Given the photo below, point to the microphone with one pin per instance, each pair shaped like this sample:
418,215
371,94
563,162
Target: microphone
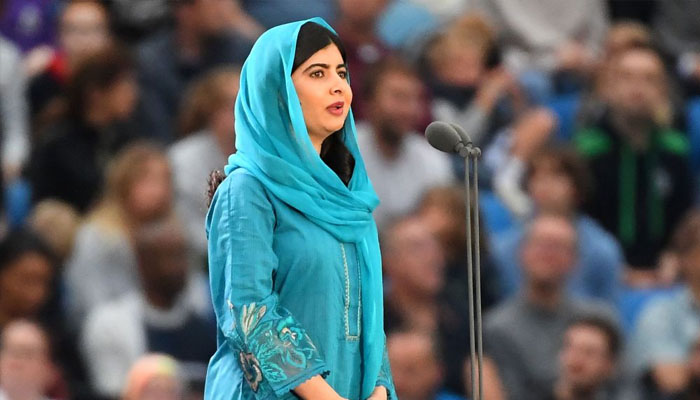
444,137
451,138
462,134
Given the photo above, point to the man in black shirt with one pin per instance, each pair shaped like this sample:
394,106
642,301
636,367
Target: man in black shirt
643,183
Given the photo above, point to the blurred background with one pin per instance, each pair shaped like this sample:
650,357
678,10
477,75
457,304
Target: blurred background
113,113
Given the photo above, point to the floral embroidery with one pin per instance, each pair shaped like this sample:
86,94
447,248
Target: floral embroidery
279,347
251,370
251,317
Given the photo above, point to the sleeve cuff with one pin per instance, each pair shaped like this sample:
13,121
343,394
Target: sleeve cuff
301,378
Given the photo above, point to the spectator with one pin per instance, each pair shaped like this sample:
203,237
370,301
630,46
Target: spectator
71,155
83,30
26,270
620,37
154,376
588,360
357,25
472,89
206,120
169,314
524,334
416,366
201,39
642,180
468,85
401,164
26,370
551,43
102,265
669,327
676,25
14,129
556,181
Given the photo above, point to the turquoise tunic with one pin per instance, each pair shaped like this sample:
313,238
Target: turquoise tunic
287,298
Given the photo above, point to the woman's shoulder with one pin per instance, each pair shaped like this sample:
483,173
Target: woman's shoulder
240,194
241,182
241,189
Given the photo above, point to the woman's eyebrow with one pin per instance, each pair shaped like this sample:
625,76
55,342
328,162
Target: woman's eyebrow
325,66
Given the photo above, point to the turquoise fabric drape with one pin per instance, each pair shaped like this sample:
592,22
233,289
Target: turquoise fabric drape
273,145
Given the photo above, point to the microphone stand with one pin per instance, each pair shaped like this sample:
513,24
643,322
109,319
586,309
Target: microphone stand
471,155
451,138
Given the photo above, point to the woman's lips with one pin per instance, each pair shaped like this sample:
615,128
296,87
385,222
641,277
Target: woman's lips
336,108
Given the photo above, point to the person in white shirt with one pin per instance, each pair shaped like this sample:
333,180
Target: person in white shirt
400,162
169,312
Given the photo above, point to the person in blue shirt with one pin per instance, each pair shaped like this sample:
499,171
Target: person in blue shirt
294,261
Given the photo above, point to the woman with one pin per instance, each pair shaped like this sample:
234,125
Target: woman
294,259
102,265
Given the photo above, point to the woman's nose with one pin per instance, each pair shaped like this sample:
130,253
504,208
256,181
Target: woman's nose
337,86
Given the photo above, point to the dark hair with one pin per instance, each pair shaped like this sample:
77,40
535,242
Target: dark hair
21,242
569,163
312,38
606,326
97,72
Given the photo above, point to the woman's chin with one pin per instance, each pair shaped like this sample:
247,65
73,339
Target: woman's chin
332,128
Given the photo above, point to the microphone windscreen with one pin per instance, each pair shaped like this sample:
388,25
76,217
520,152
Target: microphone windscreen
442,136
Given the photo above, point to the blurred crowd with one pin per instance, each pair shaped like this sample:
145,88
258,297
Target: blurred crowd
113,113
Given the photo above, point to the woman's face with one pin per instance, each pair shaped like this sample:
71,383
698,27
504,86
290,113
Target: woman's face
324,93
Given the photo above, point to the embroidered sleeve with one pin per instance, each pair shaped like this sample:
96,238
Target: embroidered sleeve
385,378
275,348
273,351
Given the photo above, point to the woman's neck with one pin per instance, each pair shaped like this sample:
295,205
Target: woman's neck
317,142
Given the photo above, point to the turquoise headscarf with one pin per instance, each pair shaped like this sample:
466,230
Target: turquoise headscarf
273,144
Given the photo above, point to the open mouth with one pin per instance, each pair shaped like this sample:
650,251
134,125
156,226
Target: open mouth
336,108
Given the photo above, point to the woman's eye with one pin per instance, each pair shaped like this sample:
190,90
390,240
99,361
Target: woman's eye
317,74
343,74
